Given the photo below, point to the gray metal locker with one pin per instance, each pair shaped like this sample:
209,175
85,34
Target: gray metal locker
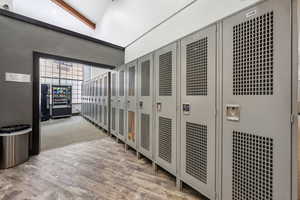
198,104
98,100
101,102
83,99
106,101
131,90
145,105
94,101
165,62
122,101
89,100
114,103
257,103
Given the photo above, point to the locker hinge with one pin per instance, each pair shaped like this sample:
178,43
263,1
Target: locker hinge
293,118
216,196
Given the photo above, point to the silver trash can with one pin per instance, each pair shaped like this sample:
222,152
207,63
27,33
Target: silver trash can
14,145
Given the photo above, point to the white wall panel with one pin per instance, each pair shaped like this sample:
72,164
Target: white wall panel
125,20
191,19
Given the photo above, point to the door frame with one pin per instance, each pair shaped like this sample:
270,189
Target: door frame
35,140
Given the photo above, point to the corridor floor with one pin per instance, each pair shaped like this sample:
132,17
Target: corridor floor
97,170
62,132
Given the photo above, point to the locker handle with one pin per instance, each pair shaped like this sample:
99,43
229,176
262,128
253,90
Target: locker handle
141,104
158,106
233,112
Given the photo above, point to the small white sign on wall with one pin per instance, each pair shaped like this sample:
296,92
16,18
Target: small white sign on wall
15,77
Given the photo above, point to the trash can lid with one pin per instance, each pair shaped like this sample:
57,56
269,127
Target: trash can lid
14,128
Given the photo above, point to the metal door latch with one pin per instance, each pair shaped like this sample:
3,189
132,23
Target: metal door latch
186,108
158,106
233,112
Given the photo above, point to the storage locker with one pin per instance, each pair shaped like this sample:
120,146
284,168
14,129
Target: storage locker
106,101
98,102
145,105
166,107
257,103
82,98
122,101
114,103
93,100
131,90
198,103
89,100
101,117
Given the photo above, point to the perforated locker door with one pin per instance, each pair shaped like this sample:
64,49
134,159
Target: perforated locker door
166,112
89,99
145,105
82,98
198,97
100,101
131,94
122,103
106,101
94,101
257,103
114,103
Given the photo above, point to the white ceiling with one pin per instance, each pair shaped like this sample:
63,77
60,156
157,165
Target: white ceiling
92,9
49,12
119,21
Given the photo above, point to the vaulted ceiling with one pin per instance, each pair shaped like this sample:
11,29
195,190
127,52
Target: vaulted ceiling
92,9
117,21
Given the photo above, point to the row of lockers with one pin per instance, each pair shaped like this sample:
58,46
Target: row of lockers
96,95
213,108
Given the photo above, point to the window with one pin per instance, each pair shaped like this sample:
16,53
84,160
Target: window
54,72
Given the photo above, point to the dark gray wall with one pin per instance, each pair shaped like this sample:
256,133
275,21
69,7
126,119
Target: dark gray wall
18,40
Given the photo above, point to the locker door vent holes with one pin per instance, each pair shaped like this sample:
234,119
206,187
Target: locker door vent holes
121,122
113,116
196,68
165,139
105,86
145,78
252,167
196,151
145,131
253,56
131,83
165,74
100,88
105,115
100,117
121,83
114,84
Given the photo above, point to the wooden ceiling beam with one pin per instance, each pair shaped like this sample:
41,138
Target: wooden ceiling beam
75,13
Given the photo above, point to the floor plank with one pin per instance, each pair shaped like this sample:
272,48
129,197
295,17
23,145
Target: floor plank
98,169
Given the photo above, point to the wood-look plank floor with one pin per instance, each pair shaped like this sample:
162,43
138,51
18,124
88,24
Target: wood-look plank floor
97,169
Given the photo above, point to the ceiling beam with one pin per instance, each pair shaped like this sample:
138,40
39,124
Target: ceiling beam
75,13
